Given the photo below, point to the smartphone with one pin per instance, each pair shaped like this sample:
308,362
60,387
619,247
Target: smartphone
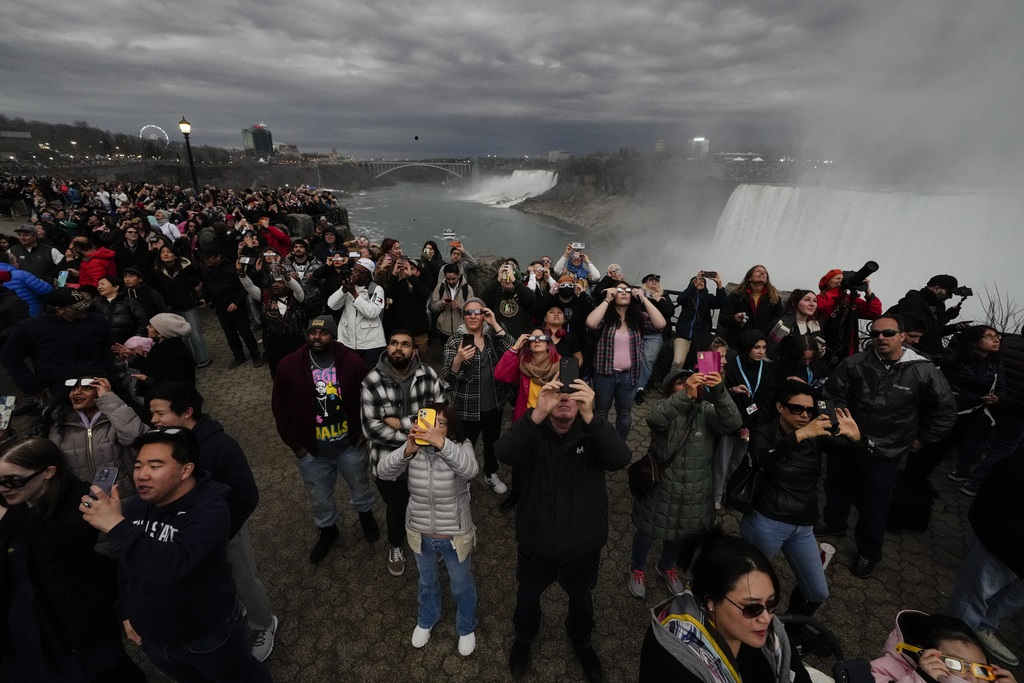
354,254
62,278
827,407
853,671
425,418
579,245
6,410
709,361
468,340
245,260
568,372
105,479
710,274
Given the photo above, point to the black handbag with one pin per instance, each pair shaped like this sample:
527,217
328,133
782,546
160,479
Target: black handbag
644,474
741,490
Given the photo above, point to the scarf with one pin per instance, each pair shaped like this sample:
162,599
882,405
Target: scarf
539,372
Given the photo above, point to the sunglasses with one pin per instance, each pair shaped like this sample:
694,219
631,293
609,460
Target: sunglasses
473,312
798,409
538,337
622,290
656,278
982,671
753,611
85,382
18,482
874,334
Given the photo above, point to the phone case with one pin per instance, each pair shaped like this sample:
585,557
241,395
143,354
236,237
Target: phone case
6,409
425,418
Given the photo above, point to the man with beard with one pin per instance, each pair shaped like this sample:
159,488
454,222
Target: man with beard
392,394
929,304
315,402
361,302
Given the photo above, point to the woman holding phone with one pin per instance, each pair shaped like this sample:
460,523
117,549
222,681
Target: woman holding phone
58,593
531,363
439,523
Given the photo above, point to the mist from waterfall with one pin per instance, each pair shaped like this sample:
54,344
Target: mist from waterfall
504,191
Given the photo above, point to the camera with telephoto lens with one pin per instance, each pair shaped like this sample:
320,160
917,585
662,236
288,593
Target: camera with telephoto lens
963,291
854,279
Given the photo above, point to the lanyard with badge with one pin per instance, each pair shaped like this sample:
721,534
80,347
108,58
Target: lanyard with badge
752,408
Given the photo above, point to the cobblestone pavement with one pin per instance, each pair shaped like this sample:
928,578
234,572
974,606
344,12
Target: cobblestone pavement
348,619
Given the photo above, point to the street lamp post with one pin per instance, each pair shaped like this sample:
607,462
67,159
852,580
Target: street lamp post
186,129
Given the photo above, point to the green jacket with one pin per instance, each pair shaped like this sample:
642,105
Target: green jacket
682,502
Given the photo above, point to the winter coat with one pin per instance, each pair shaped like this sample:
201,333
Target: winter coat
972,377
900,667
126,316
178,285
439,483
169,360
1012,352
223,458
682,503
997,511
360,326
152,301
911,400
408,299
695,311
464,385
222,286
96,265
923,304
507,370
58,349
12,311
759,317
449,319
834,310
28,287
511,308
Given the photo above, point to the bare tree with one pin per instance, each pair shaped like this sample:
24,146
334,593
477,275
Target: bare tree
1002,311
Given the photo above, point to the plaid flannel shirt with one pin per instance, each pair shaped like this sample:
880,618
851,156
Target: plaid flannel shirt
604,353
464,385
381,396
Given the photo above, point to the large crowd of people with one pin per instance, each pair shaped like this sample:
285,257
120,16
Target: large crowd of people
127,505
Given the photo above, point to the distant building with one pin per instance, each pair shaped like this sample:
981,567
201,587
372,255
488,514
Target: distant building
558,155
13,141
286,151
259,143
699,147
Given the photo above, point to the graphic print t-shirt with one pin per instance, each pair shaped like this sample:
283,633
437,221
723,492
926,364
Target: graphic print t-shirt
331,418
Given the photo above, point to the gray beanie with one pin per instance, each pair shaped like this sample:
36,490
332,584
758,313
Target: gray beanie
474,299
323,322
170,325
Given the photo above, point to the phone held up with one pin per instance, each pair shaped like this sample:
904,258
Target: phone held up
425,418
708,362
826,407
568,372
105,479
468,340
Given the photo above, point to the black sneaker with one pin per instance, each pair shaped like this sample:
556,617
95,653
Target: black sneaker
371,532
863,567
509,503
959,476
257,361
590,663
235,362
639,398
328,537
518,658
822,528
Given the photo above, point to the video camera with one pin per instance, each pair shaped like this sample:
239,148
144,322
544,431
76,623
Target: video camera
854,279
963,291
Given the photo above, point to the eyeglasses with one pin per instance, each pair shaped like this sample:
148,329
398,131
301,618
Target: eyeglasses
85,382
874,334
982,671
473,312
656,278
798,409
622,290
18,482
992,336
538,337
754,610
438,422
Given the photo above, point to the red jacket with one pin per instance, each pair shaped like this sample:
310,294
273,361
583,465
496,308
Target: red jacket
277,239
507,370
95,266
292,399
864,309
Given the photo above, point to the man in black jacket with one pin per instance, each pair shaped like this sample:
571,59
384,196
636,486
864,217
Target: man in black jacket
177,598
929,304
220,280
177,404
561,451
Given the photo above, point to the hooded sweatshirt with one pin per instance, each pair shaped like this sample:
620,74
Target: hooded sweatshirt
901,667
174,579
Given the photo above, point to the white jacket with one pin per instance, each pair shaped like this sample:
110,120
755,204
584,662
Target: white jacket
360,326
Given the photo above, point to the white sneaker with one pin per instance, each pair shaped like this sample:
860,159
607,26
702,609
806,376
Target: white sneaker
496,484
467,644
420,636
263,641
996,648
396,561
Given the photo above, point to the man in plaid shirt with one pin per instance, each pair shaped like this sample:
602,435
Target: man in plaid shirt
392,393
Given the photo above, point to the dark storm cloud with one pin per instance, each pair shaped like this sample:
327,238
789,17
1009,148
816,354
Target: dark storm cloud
524,77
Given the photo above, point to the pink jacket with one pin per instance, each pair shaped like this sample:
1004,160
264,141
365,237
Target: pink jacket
895,667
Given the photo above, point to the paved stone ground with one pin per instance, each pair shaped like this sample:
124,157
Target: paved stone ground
347,619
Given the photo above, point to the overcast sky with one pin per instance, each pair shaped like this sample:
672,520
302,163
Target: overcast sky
523,77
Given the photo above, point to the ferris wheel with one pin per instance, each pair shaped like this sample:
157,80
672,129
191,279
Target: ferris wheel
153,132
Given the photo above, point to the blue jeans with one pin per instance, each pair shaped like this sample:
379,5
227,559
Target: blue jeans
798,545
867,483
225,654
195,338
618,388
460,577
320,473
642,547
986,590
999,442
652,347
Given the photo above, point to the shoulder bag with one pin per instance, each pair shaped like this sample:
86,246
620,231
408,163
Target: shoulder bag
645,473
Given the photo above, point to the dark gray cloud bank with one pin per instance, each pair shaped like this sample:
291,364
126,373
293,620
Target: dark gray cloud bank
860,77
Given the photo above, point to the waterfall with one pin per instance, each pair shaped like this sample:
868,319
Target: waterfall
504,191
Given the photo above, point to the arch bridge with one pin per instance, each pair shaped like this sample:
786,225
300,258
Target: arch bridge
376,169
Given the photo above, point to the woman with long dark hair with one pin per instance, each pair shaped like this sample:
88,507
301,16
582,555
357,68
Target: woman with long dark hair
619,320
439,521
754,305
177,279
723,628
432,262
798,320
696,305
58,593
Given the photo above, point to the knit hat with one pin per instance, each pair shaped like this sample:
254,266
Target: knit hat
63,297
323,322
828,276
139,343
368,264
946,282
24,227
170,325
132,271
474,299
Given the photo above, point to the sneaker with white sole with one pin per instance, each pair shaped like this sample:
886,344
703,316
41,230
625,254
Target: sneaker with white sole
959,476
263,641
996,648
496,484
420,636
636,582
396,561
672,580
467,644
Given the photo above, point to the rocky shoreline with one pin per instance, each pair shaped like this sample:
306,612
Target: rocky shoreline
582,206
